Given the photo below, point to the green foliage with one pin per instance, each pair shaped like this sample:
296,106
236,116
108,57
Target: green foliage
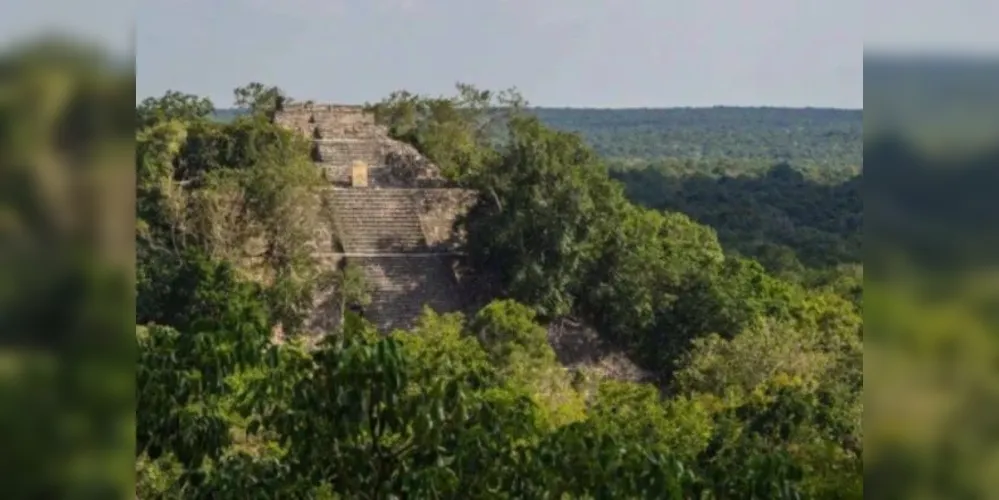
205,325
633,412
260,100
244,192
544,210
440,346
761,376
67,353
645,264
778,216
722,366
827,138
195,289
367,417
507,330
353,288
785,416
457,132
171,106
518,347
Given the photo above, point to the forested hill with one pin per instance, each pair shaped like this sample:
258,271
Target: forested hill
807,136
936,102
801,136
754,379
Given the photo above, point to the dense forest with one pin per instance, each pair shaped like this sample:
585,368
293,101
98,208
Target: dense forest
945,103
782,218
819,137
930,318
757,377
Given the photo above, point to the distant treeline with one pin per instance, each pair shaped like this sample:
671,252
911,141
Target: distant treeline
822,137
801,136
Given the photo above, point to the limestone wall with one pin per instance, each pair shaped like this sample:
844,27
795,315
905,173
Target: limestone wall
439,210
436,208
337,175
343,134
577,345
404,166
407,206
331,120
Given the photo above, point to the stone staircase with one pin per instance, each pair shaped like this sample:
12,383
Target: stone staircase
344,151
402,286
384,229
380,232
378,221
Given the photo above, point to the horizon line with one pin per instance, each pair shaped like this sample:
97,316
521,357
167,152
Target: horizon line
623,108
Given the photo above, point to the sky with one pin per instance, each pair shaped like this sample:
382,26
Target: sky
595,53
947,27
579,53
106,23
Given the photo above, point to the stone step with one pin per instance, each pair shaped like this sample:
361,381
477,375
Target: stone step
336,174
332,121
345,152
378,220
402,286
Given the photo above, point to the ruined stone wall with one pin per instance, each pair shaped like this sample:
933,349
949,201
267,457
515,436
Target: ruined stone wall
342,135
402,285
579,346
406,200
332,120
417,221
439,210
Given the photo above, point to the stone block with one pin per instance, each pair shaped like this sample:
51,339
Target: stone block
359,174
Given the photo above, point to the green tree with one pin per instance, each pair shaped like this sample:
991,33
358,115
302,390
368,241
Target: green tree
352,287
459,133
638,413
173,105
206,325
643,268
508,330
518,348
245,192
544,212
260,100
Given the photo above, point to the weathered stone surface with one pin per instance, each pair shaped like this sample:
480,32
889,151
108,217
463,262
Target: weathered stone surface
337,175
345,134
324,317
372,221
403,286
407,208
331,119
439,210
577,345
344,151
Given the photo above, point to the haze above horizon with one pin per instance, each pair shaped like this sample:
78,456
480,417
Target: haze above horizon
602,108
559,53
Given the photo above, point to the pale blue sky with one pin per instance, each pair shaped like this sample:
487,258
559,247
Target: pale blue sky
621,53
558,52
